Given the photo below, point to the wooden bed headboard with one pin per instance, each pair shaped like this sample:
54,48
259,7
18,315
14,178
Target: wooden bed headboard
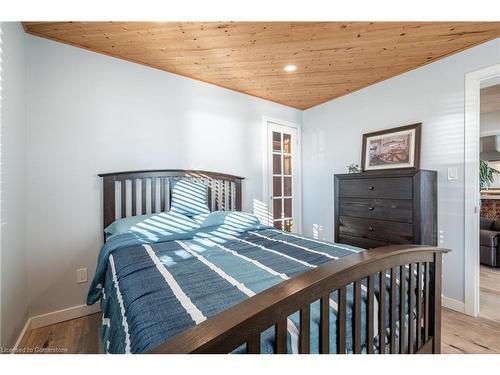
142,192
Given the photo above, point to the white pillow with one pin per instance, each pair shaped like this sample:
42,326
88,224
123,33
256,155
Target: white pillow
163,223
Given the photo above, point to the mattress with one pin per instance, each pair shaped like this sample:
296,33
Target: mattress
152,290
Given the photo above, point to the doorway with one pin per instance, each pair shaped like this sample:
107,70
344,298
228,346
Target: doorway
489,232
282,182
474,82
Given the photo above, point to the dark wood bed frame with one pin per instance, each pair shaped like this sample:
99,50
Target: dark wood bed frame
242,324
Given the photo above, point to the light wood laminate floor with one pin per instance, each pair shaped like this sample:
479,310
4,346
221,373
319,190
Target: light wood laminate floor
76,336
489,293
461,334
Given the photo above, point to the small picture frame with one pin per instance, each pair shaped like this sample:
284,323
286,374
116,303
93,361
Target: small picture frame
396,148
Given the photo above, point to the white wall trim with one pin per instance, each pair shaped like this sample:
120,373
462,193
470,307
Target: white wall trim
53,318
453,304
265,163
24,333
63,315
472,197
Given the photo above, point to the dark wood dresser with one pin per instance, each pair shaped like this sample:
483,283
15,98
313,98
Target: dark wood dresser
375,209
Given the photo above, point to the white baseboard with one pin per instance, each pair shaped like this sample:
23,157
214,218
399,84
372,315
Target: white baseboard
55,317
26,329
453,304
62,315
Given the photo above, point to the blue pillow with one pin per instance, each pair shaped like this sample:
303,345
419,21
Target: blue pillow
189,198
235,219
163,223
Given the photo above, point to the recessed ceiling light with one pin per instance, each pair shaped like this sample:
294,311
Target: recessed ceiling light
290,68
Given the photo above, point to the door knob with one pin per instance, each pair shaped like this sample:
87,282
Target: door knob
370,229
370,208
371,187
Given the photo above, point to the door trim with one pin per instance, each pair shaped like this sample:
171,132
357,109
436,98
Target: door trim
472,196
265,168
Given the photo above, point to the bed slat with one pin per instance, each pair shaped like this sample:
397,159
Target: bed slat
109,201
253,345
305,327
215,193
220,200
419,305
402,308
237,184
426,301
435,303
153,195
411,311
133,197
370,316
281,337
324,338
123,198
233,207
356,332
226,195
167,193
341,320
393,310
143,195
381,311
162,194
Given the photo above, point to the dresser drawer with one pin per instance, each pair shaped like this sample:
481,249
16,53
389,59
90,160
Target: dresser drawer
388,187
364,243
392,232
375,208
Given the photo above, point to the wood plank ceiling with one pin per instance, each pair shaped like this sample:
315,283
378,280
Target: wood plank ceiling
332,58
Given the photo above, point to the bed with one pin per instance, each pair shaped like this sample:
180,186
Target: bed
181,280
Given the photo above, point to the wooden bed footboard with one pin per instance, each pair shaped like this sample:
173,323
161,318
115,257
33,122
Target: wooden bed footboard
243,324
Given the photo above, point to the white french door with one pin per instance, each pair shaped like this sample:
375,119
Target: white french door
283,176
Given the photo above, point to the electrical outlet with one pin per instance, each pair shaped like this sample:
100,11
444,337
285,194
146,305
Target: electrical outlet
81,276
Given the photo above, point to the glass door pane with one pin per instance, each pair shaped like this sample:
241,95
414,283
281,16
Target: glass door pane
282,180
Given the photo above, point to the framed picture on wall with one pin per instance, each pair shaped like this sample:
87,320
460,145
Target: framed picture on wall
394,148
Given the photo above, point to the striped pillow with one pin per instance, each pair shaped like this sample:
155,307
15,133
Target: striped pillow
189,198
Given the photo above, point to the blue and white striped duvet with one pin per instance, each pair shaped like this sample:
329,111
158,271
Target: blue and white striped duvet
153,289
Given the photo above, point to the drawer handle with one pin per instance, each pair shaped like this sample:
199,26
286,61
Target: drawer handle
371,187
370,229
370,208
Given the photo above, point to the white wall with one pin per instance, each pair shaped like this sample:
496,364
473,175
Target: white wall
433,95
14,286
89,113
